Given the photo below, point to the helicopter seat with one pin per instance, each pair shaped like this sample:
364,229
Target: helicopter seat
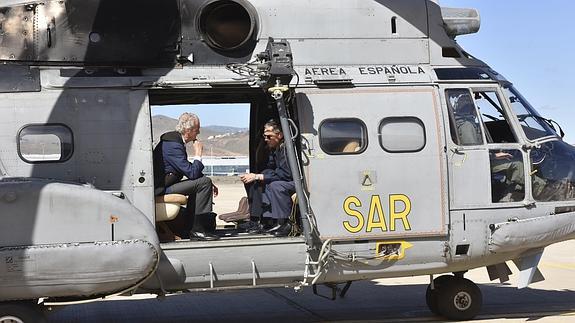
351,147
242,213
168,206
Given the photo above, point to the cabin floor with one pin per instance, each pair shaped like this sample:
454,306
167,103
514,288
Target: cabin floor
236,259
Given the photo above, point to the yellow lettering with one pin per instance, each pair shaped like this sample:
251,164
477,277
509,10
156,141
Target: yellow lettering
355,213
393,215
375,206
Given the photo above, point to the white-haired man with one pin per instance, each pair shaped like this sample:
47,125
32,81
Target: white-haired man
171,164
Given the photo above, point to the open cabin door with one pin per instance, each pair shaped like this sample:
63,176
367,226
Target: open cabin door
375,162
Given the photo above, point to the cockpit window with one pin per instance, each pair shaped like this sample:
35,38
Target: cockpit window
507,175
553,171
533,124
495,120
463,120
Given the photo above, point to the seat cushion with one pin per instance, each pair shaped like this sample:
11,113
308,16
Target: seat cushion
167,211
242,213
172,198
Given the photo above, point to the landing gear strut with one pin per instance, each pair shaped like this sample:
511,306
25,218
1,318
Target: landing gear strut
21,312
454,297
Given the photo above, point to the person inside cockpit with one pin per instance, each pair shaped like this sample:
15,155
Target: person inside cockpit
466,121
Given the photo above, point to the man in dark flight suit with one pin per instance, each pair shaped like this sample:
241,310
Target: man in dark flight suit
171,164
467,122
278,186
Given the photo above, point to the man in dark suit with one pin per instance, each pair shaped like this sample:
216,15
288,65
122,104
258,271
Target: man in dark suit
278,186
171,164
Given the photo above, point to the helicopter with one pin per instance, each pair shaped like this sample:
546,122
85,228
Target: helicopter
387,122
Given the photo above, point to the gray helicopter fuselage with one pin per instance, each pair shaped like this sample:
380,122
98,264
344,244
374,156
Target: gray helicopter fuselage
389,186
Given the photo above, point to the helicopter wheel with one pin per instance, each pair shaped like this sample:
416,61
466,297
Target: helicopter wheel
21,312
458,299
431,294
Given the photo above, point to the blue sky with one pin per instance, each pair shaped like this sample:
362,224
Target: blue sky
532,43
231,115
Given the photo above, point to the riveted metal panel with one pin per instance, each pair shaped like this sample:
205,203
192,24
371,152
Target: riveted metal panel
17,33
16,78
376,185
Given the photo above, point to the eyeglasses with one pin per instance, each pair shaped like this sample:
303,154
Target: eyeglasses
268,137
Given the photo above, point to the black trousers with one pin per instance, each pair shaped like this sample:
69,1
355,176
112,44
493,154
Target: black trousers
255,195
199,208
272,200
278,196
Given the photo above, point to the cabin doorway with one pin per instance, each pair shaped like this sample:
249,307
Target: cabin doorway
231,129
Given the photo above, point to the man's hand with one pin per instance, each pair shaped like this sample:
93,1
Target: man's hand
248,178
215,190
198,148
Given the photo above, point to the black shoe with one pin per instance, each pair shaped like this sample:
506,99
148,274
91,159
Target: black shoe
203,236
250,227
283,231
256,228
272,229
245,226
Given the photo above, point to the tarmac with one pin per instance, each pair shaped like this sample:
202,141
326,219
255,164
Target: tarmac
382,300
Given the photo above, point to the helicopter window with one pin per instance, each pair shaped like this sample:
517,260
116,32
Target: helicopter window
343,136
507,176
463,120
45,143
533,124
553,172
468,73
402,134
495,120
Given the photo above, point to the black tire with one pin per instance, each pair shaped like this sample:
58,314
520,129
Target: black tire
25,312
459,299
431,294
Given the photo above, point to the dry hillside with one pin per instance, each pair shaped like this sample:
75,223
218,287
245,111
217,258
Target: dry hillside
218,140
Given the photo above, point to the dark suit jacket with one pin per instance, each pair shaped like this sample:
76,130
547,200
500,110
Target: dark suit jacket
277,167
171,161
